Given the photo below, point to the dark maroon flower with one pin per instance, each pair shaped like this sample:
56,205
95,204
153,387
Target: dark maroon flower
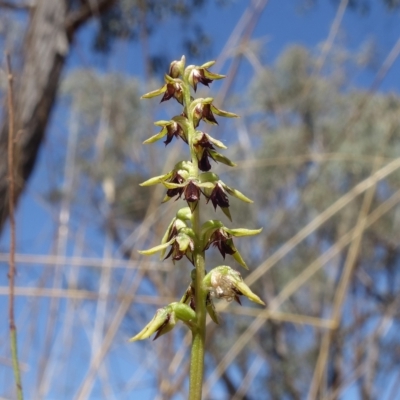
176,191
223,241
174,130
203,75
198,75
204,163
203,147
204,141
175,252
192,192
182,246
219,197
203,112
173,90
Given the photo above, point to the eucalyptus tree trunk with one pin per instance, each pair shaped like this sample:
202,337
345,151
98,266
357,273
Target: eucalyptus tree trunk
50,31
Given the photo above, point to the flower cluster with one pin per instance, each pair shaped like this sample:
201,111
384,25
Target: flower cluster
190,180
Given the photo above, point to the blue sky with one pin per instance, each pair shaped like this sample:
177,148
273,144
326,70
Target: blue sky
282,24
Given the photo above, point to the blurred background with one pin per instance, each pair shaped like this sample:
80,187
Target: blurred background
316,83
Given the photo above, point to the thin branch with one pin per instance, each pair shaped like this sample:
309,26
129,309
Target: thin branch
331,37
256,325
11,203
78,17
340,295
92,262
322,218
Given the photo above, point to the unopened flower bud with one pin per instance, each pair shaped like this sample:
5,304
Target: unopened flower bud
176,68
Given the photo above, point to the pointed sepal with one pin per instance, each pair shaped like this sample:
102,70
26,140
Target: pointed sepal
156,249
211,309
163,321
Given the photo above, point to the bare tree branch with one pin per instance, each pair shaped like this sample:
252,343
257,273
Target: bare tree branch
77,18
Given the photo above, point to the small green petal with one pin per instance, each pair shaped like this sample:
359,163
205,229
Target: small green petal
223,113
220,158
208,228
162,123
165,237
236,255
156,179
245,290
239,232
207,65
154,93
211,311
182,121
156,249
226,211
165,199
208,177
169,79
216,142
211,75
156,137
184,242
171,185
167,327
237,194
153,326
206,185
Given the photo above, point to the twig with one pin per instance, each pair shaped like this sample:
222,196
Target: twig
256,325
75,19
11,202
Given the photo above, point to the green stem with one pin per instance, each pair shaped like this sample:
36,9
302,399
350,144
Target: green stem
199,334
198,338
